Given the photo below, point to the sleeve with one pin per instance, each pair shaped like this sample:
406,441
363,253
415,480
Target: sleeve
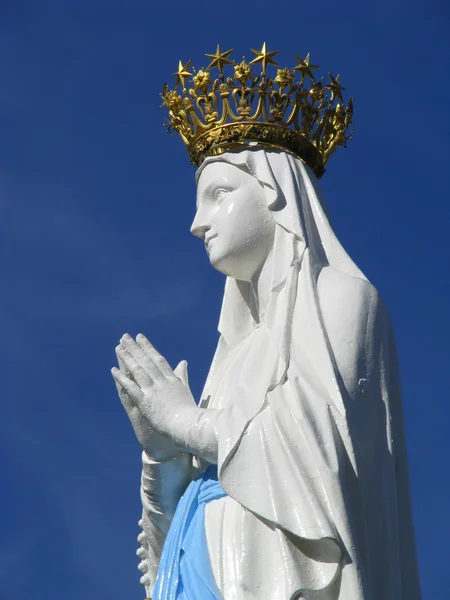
162,485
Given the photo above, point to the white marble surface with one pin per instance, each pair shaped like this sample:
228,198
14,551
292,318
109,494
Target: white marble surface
304,419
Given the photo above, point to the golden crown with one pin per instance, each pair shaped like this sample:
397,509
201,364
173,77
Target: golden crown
301,115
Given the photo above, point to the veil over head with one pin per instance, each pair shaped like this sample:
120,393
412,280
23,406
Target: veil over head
300,445
295,200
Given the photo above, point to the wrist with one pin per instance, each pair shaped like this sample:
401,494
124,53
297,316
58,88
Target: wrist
194,430
179,424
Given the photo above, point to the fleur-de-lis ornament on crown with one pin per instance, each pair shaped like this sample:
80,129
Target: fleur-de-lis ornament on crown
291,111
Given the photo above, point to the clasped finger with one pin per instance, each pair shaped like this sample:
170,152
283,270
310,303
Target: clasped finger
138,373
141,357
154,356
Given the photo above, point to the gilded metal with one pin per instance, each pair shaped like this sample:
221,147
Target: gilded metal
335,87
282,112
219,59
264,57
305,68
182,74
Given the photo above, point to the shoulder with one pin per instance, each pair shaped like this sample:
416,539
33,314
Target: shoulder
344,297
349,308
345,286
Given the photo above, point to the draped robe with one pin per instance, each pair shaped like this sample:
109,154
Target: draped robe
311,447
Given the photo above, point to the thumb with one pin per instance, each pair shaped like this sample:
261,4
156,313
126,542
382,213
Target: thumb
181,372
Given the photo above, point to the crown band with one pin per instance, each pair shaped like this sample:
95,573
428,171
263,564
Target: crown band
218,140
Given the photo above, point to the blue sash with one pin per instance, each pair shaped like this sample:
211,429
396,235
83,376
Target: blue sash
184,571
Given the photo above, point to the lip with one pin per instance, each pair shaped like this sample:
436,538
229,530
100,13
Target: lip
208,239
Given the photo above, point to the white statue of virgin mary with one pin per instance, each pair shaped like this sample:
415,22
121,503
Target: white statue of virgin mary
289,479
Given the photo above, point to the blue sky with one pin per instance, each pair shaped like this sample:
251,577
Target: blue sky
96,203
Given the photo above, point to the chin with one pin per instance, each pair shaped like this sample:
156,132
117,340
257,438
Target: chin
228,266
220,265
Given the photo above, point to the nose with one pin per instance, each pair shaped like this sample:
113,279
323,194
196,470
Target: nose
199,225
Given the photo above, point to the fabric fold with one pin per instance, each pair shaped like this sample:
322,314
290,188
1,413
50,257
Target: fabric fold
308,455
184,571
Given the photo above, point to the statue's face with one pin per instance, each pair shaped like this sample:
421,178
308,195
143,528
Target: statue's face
233,219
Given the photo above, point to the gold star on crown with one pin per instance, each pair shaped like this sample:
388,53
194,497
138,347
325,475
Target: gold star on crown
302,116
